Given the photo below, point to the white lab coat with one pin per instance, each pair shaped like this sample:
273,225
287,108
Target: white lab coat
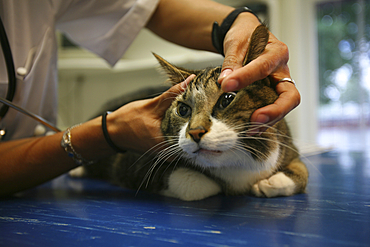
105,27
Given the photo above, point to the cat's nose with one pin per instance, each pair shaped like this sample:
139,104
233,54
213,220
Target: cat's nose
197,133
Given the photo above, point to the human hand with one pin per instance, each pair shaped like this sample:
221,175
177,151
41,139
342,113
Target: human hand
272,63
137,125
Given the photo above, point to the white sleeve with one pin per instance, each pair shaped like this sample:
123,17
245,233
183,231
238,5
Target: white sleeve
107,27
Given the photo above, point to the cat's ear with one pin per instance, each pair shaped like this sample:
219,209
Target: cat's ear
175,74
257,43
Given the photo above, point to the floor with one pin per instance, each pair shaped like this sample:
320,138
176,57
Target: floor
82,212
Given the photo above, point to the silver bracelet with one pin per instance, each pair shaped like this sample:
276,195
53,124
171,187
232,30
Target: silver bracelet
66,144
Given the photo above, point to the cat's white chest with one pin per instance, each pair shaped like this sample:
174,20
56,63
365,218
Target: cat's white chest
241,179
190,185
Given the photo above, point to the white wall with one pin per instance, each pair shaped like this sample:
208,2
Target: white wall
87,82
297,28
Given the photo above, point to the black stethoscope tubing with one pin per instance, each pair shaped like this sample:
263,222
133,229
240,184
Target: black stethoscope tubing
12,81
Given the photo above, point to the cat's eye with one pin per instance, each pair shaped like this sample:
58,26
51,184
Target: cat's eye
183,110
226,99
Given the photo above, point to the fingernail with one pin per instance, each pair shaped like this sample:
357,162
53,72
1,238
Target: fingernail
225,73
261,130
185,83
230,85
262,119
260,122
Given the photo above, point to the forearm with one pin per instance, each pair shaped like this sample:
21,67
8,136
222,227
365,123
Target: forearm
29,162
135,126
188,22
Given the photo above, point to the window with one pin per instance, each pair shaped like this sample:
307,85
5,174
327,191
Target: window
344,74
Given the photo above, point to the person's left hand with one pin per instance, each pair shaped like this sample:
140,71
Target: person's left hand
273,63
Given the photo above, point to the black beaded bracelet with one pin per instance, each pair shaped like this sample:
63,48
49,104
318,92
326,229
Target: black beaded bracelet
219,32
106,134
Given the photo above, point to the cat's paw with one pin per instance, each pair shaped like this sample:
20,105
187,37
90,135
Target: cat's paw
190,185
78,172
277,185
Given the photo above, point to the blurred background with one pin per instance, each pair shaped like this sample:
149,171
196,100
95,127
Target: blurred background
329,44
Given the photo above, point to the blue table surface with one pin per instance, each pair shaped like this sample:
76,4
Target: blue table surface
335,211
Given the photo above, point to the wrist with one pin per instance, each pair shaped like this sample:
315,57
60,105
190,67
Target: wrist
107,136
248,19
219,31
88,141
67,145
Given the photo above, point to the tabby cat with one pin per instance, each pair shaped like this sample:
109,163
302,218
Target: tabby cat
210,145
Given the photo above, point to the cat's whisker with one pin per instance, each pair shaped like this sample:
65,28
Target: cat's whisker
278,133
252,127
162,156
261,138
243,147
167,137
152,150
177,158
271,140
165,154
240,149
156,147
282,144
174,95
158,164
248,149
183,78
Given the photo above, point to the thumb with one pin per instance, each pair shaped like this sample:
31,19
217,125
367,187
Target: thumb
165,99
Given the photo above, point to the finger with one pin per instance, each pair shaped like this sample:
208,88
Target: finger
275,57
165,99
234,58
236,43
289,98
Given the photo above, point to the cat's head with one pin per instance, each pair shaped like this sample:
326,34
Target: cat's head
212,127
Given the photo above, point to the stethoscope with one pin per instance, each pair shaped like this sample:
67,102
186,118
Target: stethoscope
12,84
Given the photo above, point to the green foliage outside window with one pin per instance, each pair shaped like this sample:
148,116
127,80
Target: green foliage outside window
344,51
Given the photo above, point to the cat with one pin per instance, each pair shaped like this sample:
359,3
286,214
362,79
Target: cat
210,148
